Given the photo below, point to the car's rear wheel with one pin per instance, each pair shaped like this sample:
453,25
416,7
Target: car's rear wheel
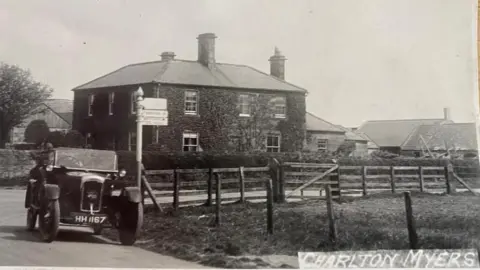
31,219
49,220
131,221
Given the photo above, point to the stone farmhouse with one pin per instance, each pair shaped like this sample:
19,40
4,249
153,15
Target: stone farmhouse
324,136
212,106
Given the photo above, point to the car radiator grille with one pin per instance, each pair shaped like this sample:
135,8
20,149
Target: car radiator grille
91,194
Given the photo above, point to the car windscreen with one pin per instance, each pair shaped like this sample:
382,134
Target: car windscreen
86,159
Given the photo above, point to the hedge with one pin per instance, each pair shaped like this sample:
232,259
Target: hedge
160,161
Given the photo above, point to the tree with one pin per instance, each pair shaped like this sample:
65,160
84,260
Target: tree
219,115
253,130
36,131
446,140
20,97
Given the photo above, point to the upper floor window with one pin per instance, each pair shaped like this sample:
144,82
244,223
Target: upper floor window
245,104
322,144
190,142
280,107
191,102
273,143
111,100
91,98
133,103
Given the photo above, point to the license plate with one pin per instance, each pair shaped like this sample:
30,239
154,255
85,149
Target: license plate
90,219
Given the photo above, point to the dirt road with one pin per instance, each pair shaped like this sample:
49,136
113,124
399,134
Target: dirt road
74,247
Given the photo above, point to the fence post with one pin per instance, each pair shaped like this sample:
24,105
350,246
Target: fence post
176,190
331,217
218,199
269,206
449,177
420,176
209,187
412,233
335,177
392,178
364,180
275,177
281,183
242,185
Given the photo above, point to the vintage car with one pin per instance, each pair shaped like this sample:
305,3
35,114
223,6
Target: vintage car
83,187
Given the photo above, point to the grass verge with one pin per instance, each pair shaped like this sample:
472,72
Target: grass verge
372,222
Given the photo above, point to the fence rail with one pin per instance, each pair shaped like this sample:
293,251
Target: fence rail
198,186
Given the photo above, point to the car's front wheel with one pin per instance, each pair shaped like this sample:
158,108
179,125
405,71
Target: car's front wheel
49,220
130,223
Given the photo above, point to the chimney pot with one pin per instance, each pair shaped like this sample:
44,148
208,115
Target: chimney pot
446,114
168,56
206,49
277,64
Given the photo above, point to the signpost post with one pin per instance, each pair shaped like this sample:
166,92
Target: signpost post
150,112
139,98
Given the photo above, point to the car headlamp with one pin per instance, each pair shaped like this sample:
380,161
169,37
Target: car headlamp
49,168
122,173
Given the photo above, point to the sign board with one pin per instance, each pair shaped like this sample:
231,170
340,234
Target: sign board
154,117
154,104
154,112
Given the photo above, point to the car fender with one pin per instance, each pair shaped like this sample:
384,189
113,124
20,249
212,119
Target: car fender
133,194
52,192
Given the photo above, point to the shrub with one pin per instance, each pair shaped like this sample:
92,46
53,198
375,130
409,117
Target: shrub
168,160
74,138
36,131
24,146
57,138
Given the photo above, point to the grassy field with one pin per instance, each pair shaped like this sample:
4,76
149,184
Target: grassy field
373,222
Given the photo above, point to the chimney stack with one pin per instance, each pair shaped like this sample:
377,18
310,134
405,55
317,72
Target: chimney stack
446,114
168,56
206,49
277,64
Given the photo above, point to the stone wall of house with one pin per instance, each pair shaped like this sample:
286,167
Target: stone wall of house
361,149
216,123
14,164
334,140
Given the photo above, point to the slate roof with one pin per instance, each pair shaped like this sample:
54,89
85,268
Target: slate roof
393,133
462,136
351,135
185,72
315,123
62,107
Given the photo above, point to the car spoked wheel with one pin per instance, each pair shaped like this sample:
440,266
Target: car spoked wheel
31,219
130,223
49,220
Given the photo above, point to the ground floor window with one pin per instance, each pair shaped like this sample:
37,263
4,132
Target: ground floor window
190,142
273,143
322,144
132,141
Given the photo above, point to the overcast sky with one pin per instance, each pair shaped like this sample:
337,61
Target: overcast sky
359,59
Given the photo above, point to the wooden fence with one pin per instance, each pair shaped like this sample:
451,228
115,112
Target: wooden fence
292,181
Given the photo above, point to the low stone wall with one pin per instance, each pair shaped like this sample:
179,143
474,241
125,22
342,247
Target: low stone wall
15,166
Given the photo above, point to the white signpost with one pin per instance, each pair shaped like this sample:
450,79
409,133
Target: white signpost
150,112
